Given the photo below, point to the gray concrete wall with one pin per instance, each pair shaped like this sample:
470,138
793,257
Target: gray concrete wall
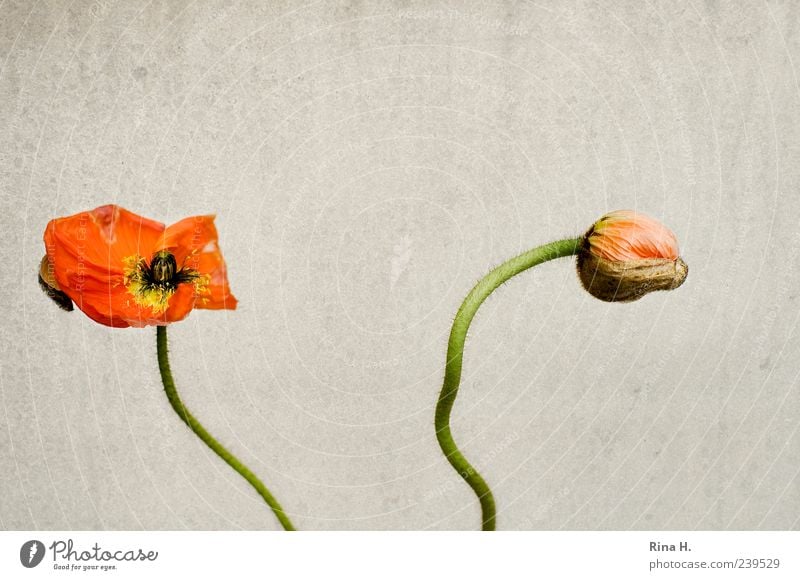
368,161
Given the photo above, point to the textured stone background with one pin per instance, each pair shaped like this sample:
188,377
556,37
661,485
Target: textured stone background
368,162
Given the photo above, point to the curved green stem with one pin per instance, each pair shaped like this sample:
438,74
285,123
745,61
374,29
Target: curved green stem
205,436
455,355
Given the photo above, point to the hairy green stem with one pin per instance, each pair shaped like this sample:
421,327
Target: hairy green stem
455,355
205,436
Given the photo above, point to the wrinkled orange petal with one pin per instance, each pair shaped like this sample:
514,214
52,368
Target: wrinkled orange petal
88,284
180,305
625,235
219,296
194,243
106,235
90,311
188,238
86,251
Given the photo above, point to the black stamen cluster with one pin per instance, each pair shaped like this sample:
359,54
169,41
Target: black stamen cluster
163,272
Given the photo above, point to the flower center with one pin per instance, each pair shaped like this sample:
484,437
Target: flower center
163,267
153,284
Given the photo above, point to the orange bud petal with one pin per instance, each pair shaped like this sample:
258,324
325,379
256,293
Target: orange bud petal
626,235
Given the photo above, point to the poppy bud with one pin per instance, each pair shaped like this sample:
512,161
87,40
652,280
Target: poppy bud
626,254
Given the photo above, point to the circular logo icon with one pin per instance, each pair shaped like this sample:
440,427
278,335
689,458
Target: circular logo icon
31,553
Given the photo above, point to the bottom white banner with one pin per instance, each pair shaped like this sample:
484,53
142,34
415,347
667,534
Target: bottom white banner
370,555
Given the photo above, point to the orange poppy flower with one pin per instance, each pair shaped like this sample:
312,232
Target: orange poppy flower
123,270
626,254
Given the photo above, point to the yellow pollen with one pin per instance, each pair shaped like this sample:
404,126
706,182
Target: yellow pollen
145,294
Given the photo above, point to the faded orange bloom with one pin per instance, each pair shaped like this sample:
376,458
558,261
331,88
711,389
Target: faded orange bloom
123,270
626,255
